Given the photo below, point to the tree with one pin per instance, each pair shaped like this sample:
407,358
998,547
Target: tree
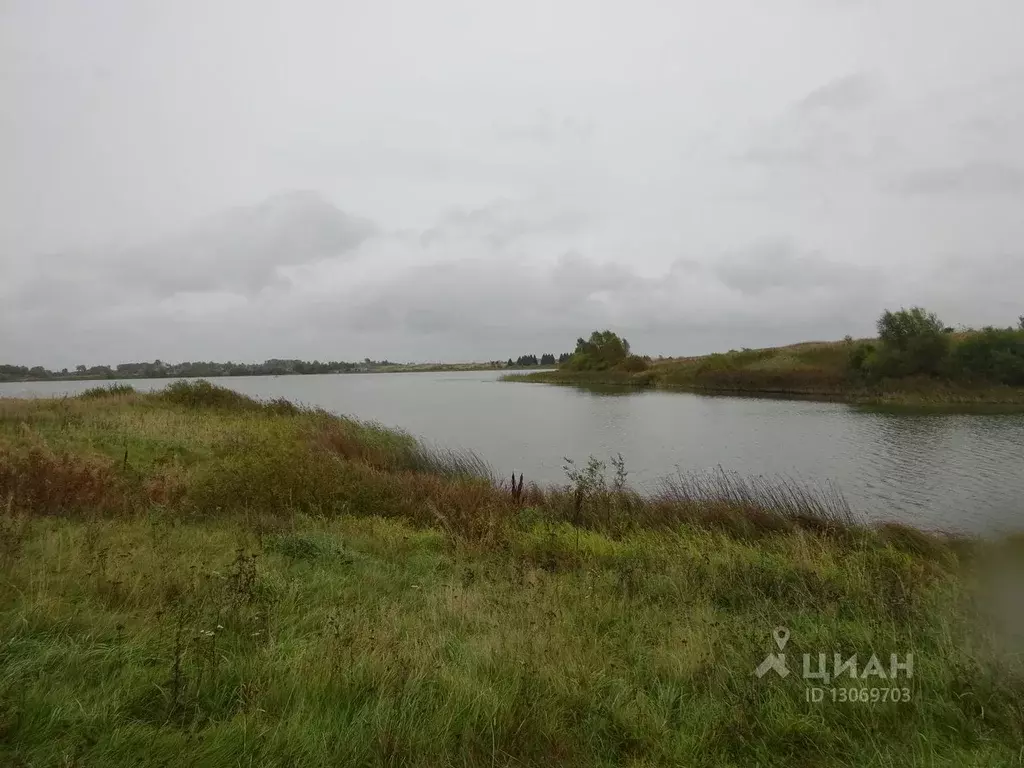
510,363
1020,323
913,342
547,359
603,350
564,358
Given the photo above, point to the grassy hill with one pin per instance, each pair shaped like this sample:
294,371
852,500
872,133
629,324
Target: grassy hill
813,368
191,577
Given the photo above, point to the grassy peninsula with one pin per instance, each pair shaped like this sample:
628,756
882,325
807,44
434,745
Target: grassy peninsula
192,577
914,361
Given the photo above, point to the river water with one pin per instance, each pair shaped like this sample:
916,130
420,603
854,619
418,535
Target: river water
933,470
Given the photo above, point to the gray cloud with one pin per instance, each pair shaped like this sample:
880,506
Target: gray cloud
545,128
816,131
804,146
241,250
850,92
520,195
989,281
501,223
968,179
770,292
780,264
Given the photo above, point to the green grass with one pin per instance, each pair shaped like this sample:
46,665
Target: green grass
187,578
810,369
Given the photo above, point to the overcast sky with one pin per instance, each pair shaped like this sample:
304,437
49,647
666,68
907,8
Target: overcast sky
473,180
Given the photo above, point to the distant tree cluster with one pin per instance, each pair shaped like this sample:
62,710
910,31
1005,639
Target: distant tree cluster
159,369
604,351
914,342
525,361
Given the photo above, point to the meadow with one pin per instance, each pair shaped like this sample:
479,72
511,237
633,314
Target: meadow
192,577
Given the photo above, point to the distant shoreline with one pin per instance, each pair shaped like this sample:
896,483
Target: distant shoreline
938,396
408,368
806,371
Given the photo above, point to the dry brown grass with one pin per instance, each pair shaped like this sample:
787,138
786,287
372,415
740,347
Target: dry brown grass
39,481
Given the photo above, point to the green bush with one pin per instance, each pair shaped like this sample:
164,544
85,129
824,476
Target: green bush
111,391
203,394
860,356
991,355
634,364
603,351
913,342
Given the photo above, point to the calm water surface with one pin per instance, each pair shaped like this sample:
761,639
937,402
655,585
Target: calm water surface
963,472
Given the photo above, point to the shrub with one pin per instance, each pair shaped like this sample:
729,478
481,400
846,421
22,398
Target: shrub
203,394
899,329
991,355
859,356
913,342
633,364
114,390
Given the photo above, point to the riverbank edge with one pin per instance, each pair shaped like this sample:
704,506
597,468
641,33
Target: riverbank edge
44,431
939,397
204,574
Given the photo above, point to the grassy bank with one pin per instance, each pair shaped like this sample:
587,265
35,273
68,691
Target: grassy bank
811,369
194,578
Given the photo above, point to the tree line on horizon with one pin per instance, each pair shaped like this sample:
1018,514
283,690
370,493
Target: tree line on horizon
524,361
910,342
159,369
